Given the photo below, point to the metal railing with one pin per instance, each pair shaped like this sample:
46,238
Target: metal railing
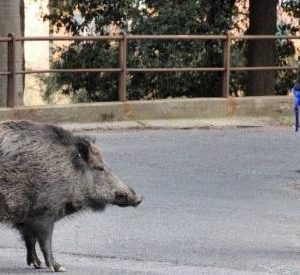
123,70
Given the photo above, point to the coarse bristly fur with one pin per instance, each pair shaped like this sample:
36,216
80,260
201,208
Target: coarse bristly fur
47,173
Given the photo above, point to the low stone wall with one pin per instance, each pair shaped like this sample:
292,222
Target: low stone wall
270,106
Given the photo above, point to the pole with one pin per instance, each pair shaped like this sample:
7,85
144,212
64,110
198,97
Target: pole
11,65
226,65
123,66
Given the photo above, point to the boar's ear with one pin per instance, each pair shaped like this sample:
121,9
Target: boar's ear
83,147
60,135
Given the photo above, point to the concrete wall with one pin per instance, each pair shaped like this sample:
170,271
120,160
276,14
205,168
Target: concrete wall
273,106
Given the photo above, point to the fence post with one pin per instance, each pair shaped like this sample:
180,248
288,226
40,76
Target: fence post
123,66
11,67
226,65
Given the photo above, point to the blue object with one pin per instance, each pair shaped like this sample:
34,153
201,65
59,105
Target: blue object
296,92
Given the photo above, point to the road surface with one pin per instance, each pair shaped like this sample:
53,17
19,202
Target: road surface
221,201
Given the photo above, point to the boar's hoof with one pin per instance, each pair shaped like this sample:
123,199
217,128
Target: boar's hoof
61,269
57,268
35,261
37,265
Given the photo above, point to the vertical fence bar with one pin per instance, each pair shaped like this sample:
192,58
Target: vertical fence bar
11,66
226,65
123,66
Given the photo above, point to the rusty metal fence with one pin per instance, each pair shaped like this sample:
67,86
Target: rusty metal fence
123,70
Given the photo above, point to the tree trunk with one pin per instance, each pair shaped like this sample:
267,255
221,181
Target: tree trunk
11,21
263,14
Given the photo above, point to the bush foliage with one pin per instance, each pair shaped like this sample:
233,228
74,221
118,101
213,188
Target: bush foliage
81,17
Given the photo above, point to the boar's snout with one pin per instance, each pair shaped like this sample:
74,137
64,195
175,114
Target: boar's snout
127,198
138,202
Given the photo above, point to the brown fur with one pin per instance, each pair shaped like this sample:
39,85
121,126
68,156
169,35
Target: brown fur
46,173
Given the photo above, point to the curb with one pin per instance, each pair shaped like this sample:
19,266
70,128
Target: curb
177,124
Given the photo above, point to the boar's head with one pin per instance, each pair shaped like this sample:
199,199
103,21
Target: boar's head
103,186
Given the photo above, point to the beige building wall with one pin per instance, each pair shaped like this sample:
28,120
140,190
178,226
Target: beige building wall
285,18
36,53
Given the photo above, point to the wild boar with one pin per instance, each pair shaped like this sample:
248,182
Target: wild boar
47,173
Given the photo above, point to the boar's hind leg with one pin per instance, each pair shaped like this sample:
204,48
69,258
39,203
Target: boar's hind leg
30,242
32,257
44,232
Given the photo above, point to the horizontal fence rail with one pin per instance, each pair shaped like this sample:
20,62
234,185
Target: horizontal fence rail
123,70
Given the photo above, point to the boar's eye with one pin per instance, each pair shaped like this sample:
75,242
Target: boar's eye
83,150
99,167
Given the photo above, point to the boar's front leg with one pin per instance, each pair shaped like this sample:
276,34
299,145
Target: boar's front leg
44,232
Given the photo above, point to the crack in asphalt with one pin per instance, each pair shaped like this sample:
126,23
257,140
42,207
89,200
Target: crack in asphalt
110,257
86,255
106,257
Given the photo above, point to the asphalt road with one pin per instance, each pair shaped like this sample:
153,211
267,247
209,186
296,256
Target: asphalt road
216,202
